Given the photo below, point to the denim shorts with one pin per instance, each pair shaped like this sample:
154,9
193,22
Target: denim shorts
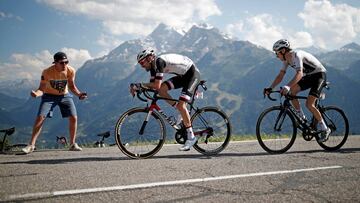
49,102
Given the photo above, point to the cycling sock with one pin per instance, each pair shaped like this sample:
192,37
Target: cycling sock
301,113
190,133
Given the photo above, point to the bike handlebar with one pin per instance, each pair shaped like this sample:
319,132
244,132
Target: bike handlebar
287,96
269,97
290,97
145,91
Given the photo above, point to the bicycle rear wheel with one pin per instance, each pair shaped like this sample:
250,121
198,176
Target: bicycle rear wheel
336,120
212,128
276,130
134,143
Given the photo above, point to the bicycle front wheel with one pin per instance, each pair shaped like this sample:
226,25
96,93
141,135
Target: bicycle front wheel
336,120
138,138
276,130
212,128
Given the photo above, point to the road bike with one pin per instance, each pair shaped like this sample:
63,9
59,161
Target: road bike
276,127
8,148
140,132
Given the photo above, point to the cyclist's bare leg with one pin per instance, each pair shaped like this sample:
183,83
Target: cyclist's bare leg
163,91
186,120
310,104
72,128
184,113
295,102
39,121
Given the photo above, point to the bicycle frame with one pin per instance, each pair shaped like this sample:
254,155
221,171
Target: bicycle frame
303,125
154,106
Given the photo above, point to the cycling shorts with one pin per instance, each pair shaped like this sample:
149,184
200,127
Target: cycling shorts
188,82
314,81
49,102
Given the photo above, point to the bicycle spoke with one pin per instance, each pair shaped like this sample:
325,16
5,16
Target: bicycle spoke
275,130
336,120
134,144
216,130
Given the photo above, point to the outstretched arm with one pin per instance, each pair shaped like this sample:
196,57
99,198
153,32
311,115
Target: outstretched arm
40,91
74,89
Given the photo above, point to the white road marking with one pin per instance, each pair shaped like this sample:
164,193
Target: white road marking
157,184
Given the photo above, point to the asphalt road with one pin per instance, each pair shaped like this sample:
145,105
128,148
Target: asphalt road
241,173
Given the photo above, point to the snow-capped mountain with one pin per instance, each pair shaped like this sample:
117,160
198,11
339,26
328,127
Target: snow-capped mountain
313,50
342,58
235,71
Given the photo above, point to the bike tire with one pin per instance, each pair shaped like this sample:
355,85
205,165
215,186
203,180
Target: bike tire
213,123
272,140
337,121
131,142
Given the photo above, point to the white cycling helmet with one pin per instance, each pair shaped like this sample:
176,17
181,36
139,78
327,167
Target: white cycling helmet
282,43
144,53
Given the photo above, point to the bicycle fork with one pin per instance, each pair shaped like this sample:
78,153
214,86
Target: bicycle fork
280,120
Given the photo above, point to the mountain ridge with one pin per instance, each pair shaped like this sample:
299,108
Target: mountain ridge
236,72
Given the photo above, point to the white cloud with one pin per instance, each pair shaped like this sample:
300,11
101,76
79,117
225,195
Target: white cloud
262,30
9,16
259,29
331,25
301,39
30,66
76,57
108,42
138,17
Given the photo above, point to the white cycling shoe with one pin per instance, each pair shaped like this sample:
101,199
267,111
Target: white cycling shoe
188,144
324,135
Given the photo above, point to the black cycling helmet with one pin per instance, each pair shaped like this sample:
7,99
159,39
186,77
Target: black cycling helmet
144,53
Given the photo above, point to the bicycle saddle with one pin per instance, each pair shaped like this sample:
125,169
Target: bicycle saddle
105,134
9,131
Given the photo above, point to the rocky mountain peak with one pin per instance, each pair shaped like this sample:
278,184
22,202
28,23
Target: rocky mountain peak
163,37
351,47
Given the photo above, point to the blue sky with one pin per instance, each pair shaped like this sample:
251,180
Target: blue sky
33,30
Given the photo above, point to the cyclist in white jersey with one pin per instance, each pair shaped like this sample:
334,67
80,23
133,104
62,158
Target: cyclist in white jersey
187,77
310,73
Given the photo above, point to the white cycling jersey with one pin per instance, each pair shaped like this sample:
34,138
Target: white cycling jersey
175,63
305,62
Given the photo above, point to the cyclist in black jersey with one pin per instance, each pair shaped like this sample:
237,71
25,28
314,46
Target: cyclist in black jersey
310,73
187,77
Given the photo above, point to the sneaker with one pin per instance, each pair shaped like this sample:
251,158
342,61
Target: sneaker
75,147
324,135
188,144
28,149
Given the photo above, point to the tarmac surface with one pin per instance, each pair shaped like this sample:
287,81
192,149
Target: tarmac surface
243,172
